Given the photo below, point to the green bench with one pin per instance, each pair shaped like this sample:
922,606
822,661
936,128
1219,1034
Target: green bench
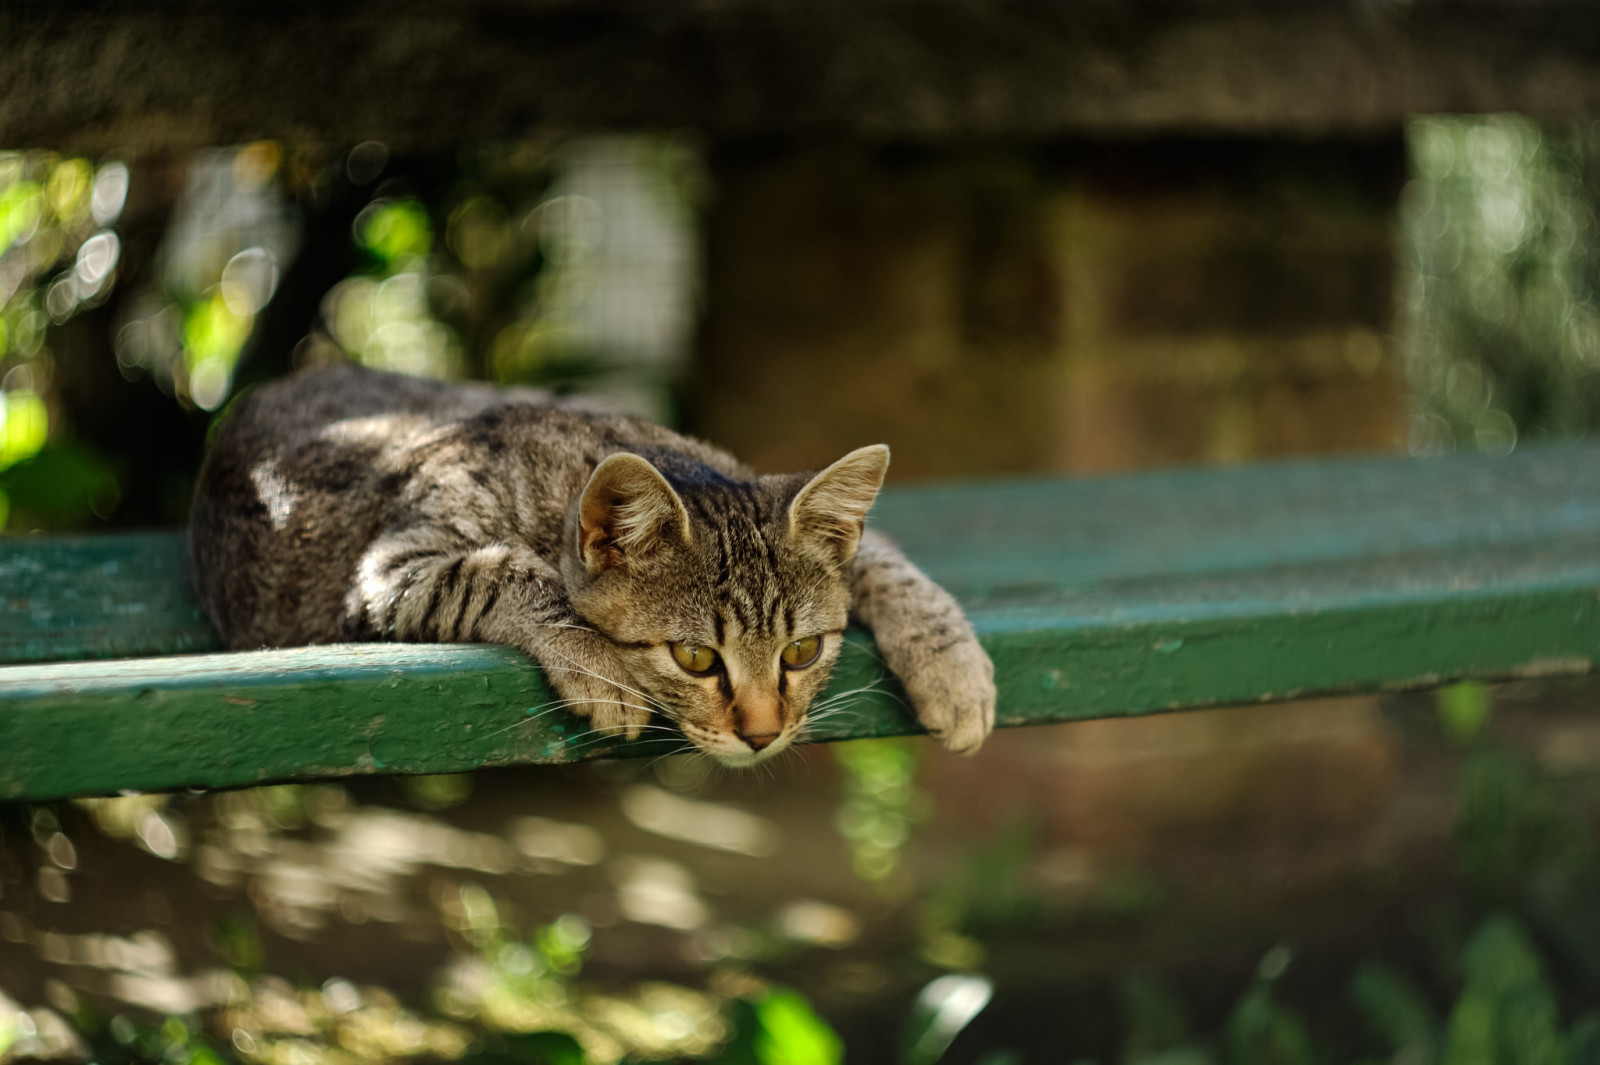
1096,597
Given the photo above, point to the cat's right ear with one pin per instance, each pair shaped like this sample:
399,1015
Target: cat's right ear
832,507
627,511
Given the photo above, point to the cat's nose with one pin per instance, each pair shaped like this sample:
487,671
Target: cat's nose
758,741
758,722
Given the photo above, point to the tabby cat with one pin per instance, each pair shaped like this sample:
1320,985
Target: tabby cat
645,571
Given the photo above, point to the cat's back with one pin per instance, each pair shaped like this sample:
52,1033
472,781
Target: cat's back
303,474
294,485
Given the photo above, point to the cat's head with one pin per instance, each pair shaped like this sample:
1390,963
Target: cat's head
728,600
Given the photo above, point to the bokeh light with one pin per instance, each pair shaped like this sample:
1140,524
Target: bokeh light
1501,299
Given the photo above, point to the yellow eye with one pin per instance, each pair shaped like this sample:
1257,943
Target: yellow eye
802,652
694,658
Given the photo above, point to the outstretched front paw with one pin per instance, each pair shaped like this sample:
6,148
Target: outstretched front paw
952,690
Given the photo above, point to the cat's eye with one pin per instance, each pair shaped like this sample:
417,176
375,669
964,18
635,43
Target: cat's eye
802,652
694,658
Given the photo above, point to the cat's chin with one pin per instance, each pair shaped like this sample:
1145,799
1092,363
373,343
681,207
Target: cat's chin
744,759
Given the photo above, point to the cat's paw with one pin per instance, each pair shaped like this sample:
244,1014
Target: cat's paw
953,694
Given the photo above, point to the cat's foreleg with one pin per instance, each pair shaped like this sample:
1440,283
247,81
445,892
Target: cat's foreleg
927,641
410,589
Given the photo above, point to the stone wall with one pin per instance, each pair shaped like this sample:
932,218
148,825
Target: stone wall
1074,310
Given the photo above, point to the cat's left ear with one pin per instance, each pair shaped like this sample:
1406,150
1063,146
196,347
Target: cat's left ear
833,507
627,511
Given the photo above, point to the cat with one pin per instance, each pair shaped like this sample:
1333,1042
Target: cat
643,570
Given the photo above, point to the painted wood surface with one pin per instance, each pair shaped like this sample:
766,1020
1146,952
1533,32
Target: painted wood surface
1095,597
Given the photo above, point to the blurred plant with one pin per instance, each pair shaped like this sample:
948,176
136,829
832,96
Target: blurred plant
986,890
232,233
1502,304
1263,1031
1397,1013
1155,1024
879,805
1513,827
779,1027
565,266
1464,709
59,254
942,1010
438,791
511,983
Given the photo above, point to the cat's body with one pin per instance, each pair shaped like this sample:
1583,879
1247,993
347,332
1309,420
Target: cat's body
642,569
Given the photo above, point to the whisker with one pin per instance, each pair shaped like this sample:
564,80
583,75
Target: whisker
579,667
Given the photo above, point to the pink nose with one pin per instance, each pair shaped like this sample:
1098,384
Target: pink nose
758,741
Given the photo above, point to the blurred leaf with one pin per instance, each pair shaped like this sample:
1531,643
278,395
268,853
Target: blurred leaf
19,211
64,485
879,804
396,231
1396,1011
1529,1028
1493,794
790,1032
438,791
942,1009
236,939
1508,1012
1583,1041
1500,958
1154,1019
1181,1055
538,1048
1464,709
1471,1039
1261,1032
24,427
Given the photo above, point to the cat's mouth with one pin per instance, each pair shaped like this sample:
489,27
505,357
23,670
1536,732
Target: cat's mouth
737,754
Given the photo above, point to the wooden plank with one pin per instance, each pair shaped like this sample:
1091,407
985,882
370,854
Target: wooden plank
1095,598
989,542
185,74
75,597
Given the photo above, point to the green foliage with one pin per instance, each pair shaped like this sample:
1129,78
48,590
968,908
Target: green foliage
1262,1031
172,1041
1396,1012
438,791
942,1010
395,232
1503,307
989,885
1506,1014
24,423
1513,828
779,1028
1155,1021
64,485
1464,709
791,1033
538,1048
880,803
236,938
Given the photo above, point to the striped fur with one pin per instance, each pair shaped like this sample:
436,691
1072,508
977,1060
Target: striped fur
345,505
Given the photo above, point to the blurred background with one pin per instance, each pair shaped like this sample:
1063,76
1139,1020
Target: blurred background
1004,238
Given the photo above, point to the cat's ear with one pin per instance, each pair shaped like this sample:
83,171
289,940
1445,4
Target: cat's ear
832,507
627,511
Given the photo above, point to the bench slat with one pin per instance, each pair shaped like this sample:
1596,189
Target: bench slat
75,597
1095,598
